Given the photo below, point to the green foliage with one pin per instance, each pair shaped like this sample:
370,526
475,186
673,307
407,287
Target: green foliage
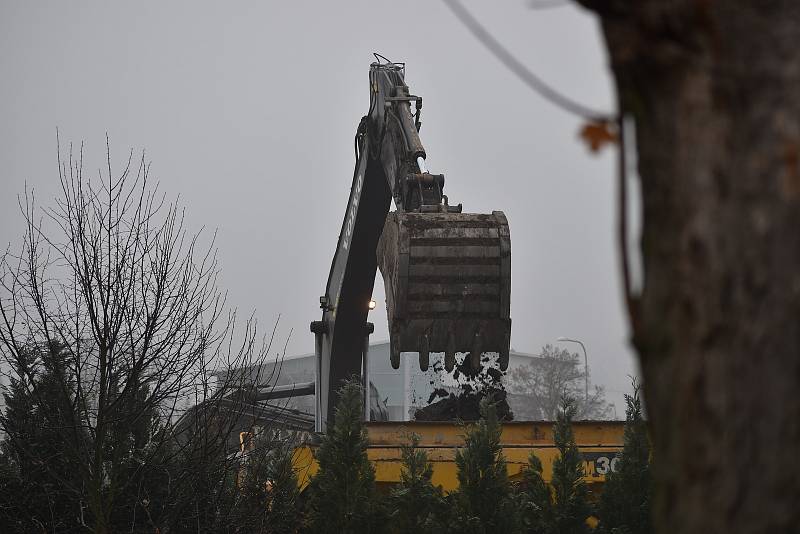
535,500
625,503
138,460
342,494
43,473
416,503
484,501
206,488
270,498
570,506
38,490
284,512
562,507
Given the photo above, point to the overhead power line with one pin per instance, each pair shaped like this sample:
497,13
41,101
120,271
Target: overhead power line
547,4
529,78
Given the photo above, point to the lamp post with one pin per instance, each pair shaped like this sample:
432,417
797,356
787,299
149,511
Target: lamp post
585,365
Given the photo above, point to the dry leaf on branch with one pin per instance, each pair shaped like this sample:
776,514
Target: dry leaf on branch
597,134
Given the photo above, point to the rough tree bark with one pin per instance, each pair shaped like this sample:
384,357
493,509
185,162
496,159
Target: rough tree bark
714,89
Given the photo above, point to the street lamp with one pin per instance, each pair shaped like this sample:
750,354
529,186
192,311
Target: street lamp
585,365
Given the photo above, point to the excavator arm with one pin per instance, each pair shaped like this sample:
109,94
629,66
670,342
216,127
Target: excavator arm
447,273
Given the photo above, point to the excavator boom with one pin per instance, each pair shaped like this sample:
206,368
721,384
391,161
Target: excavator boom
447,273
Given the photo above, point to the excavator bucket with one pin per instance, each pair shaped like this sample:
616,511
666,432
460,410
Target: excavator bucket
448,285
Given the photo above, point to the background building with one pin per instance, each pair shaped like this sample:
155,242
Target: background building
396,393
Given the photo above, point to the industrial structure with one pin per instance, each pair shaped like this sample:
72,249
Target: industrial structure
447,273
447,276
598,442
395,394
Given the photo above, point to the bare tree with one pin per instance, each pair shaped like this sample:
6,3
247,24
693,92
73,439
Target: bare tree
546,380
118,303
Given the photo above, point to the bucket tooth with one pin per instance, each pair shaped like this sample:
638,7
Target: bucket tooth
447,275
424,353
394,355
450,354
503,359
503,355
476,351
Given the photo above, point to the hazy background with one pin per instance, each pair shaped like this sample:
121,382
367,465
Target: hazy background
248,110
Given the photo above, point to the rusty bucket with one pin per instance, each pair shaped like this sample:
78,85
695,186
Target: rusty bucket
448,285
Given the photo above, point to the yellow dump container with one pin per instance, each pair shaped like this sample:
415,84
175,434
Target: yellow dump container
598,441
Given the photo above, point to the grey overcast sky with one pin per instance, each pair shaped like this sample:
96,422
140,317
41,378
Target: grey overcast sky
247,110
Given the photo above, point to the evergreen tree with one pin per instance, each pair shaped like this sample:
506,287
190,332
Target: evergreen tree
270,496
570,505
483,500
139,459
416,502
625,503
19,505
342,494
14,504
41,435
284,512
535,499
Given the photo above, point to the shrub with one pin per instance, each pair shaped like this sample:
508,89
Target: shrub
342,494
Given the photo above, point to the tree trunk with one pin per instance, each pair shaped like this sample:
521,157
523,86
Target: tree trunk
714,88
